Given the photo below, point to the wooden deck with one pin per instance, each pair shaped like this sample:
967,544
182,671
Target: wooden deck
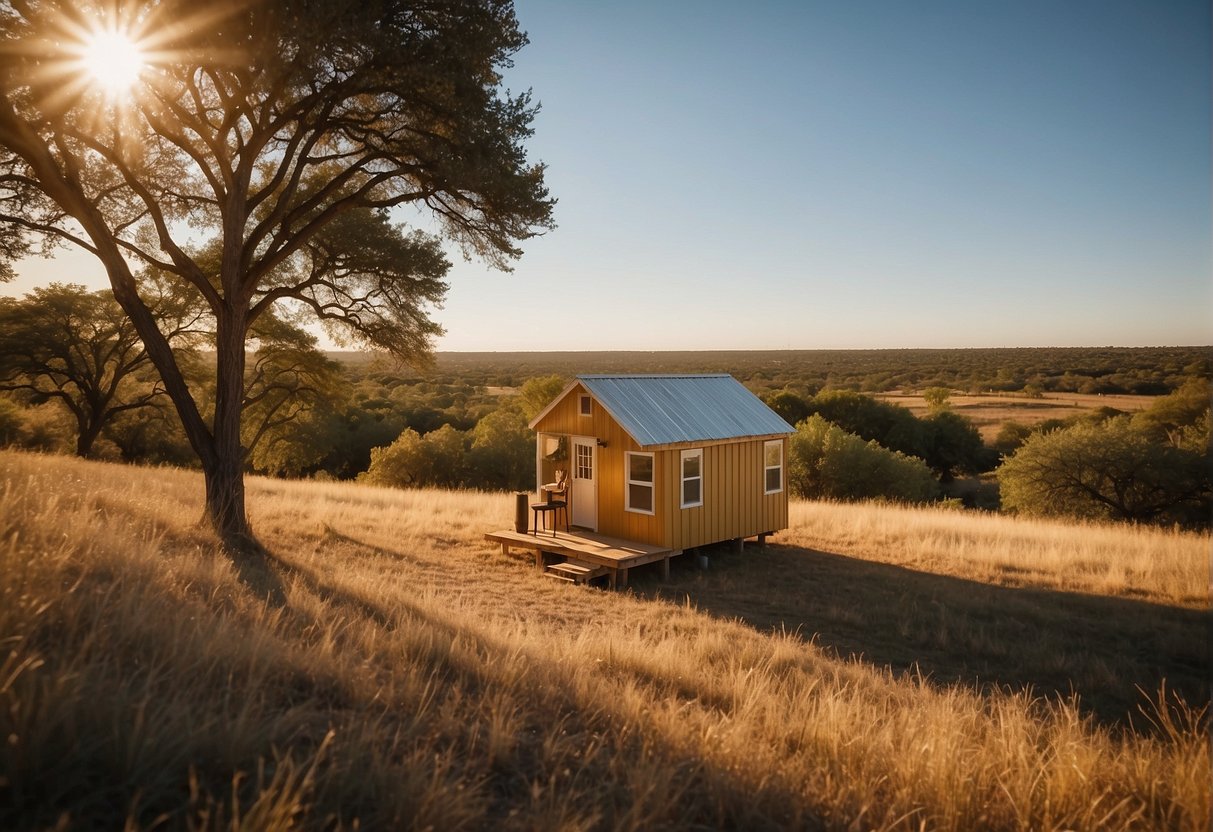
613,554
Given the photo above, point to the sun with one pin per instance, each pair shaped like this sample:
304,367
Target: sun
114,60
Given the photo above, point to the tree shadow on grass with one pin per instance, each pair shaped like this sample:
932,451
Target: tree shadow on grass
473,662
958,631
259,570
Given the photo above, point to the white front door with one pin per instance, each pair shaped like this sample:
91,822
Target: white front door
583,494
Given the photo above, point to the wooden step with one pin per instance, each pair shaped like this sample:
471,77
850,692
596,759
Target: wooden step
557,576
575,571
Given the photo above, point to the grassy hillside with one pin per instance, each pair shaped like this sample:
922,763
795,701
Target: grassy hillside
387,669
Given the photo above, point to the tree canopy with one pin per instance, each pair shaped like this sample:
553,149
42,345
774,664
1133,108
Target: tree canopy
792,408
937,398
825,461
1167,418
66,344
537,393
1109,470
951,444
893,426
285,130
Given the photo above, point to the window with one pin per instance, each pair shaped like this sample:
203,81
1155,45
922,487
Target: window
583,462
586,407
772,462
692,478
639,473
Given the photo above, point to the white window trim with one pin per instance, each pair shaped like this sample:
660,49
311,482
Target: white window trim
765,468
582,401
683,478
628,482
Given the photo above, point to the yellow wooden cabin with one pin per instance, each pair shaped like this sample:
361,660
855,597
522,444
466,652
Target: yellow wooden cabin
674,461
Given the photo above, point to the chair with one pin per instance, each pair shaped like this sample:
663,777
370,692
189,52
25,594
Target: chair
556,500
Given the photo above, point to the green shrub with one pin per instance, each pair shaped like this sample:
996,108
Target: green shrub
825,461
952,445
416,461
893,426
937,398
1107,470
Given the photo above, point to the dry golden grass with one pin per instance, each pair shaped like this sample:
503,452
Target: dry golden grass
1096,610
388,669
1158,565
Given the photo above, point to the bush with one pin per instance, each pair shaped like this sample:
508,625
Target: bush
824,461
1010,436
151,435
893,426
1166,419
1108,470
47,428
790,407
416,461
937,398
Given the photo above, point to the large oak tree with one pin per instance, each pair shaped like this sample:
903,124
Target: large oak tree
278,127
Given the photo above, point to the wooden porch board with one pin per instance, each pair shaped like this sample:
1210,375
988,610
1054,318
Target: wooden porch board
614,553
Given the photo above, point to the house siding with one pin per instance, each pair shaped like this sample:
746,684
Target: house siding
734,504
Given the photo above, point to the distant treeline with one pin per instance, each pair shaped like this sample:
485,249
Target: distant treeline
1148,371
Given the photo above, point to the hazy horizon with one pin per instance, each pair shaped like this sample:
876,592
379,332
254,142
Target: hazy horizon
826,349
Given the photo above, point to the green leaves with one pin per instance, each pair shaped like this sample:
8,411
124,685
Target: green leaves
827,462
1110,470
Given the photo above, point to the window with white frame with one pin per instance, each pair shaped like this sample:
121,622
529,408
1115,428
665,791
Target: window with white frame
772,463
586,409
692,478
639,475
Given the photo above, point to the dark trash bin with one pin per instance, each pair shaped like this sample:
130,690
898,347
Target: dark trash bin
522,501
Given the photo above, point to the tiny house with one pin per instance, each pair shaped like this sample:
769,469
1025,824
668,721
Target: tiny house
675,461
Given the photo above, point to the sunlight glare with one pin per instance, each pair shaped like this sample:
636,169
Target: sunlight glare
114,60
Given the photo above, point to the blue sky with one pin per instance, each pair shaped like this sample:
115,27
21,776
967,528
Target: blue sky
857,174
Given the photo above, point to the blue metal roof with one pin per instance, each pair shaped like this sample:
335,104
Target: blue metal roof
665,409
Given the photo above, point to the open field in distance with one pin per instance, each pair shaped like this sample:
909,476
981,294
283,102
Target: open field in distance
887,667
990,411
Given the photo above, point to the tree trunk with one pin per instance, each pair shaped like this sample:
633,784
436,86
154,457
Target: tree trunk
225,472
218,449
225,502
85,437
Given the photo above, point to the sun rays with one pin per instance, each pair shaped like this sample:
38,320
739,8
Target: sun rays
103,59
113,60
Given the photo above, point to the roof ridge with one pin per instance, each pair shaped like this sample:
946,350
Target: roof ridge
654,375
664,408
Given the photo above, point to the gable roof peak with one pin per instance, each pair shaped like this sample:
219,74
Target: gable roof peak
667,408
